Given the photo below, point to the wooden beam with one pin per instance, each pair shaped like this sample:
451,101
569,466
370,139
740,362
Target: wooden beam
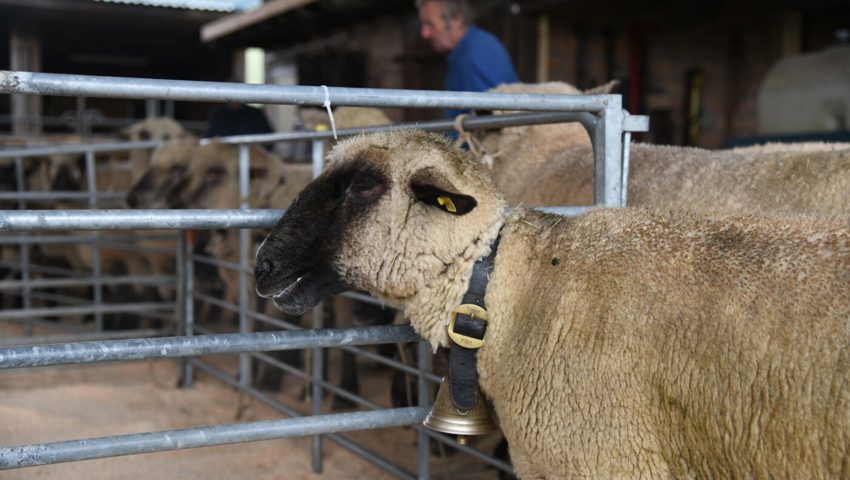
238,21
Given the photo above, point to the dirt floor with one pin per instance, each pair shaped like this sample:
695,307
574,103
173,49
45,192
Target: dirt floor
75,402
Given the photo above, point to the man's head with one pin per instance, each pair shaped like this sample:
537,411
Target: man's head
444,22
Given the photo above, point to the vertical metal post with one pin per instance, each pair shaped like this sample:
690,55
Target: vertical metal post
80,125
244,178
186,278
151,108
423,448
318,157
168,110
316,387
20,178
96,259
627,140
609,188
317,356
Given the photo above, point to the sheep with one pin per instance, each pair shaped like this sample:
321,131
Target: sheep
534,144
808,178
553,165
184,174
164,129
344,117
621,343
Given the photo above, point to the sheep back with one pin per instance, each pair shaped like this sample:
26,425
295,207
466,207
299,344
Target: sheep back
626,344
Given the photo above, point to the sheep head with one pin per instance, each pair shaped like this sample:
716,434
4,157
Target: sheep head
162,128
212,178
402,215
156,186
185,175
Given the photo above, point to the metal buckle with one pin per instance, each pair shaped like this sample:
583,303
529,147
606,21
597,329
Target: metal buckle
473,311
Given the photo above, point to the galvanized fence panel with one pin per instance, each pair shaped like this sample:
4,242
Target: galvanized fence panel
602,117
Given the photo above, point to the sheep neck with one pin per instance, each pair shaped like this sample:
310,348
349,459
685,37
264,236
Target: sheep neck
431,307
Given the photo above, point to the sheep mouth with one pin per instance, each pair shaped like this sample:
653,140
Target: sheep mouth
282,293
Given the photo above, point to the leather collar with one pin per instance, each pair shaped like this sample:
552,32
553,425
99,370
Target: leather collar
467,331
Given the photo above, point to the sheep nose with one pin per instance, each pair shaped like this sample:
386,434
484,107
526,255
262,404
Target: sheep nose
263,269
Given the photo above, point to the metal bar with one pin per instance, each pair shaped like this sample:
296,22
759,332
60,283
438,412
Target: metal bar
229,380
54,196
244,168
290,326
613,154
318,322
318,157
186,274
115,87
565,211
50,220
169,440
317,357
112,241
207,260
423,450
24,313
367,299
38,322
588,120
56,298
371,456
377,358
48,150
627,140
24,249
91,174
157,280
475,453
368,455
363,402
45,269
46,220
78,337
173,347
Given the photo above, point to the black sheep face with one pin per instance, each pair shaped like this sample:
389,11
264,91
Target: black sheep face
387,217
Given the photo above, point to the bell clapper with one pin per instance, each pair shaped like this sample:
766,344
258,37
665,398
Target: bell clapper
462,440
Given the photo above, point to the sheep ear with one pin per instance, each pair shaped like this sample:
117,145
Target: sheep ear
432,188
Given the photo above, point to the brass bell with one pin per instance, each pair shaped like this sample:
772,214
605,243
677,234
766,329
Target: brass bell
445,417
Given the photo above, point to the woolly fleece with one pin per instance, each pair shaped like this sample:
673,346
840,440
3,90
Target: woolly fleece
624,343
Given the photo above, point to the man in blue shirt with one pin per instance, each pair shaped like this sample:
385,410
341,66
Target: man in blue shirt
477,60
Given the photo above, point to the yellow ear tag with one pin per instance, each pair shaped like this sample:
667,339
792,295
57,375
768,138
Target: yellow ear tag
447,202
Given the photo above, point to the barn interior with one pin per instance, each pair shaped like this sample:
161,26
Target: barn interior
710,75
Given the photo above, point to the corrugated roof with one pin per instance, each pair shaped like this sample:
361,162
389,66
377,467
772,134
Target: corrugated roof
208,5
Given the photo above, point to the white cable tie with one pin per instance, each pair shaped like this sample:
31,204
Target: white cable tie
327,105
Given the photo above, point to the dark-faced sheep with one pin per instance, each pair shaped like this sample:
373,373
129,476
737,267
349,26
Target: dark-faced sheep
621,343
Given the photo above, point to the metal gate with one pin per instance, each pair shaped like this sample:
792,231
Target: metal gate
602,116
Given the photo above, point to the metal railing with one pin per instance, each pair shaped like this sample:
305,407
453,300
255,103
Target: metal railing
602,116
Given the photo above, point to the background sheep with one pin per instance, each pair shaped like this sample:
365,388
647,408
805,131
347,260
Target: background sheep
621,343
805,178
534,144
553,165
163,129
184,174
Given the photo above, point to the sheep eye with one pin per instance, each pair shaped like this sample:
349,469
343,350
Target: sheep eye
365,187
